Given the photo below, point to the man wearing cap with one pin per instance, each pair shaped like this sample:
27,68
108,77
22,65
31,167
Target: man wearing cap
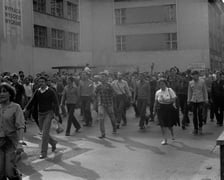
197,96
105,93
46,100
123,93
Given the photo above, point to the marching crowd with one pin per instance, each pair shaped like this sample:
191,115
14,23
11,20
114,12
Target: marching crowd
169,96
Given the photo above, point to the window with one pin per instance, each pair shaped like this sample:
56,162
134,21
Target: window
57,8
120,16
172,13
121,43
40,36
73,41
172,41
39,5
72,11
58,39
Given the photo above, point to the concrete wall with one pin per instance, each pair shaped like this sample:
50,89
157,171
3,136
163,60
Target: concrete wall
162,60
16,49
103,33
45,59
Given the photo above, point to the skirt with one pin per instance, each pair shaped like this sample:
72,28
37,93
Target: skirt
168,116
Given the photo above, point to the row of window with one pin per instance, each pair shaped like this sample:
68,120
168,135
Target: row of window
59,39
146,42
151,14
57,8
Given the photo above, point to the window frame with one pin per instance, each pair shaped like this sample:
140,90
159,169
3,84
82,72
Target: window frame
40,36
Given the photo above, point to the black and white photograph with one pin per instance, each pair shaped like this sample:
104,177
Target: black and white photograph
111,89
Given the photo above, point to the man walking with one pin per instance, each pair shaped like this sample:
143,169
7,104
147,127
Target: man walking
70,97
47,102
197,97
122,94
105,94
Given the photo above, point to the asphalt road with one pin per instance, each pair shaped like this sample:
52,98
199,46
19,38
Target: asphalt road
129,155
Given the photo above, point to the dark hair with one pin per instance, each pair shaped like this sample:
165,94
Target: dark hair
43,77
10,89
71,78
163,80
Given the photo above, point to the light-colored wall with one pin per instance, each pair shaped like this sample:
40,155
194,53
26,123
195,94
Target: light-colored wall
192,24
162,60
16,51
103,33
45,59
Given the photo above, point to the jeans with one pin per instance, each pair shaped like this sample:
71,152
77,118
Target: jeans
71,118
120,109
218,110
197,114
8,162
103,110
45,126
142,104
86,107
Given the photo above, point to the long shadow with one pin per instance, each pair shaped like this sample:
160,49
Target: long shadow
131,145
103,142
27,168
198,151
76,170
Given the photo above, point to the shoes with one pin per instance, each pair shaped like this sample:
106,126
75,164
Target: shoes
124,124
200,131
102,136
67,134
183,127
53,149
142,127
42,156
118,126
114,132
77,129
164,142
195,132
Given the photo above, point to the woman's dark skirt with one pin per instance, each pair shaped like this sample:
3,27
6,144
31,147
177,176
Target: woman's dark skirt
168,115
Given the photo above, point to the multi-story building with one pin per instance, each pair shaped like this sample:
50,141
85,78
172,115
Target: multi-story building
115,34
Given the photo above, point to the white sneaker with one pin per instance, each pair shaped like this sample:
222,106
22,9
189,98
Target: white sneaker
164,142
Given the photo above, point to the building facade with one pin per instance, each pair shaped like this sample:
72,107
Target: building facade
114,34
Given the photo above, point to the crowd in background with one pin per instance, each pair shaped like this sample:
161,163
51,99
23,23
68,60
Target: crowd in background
170,96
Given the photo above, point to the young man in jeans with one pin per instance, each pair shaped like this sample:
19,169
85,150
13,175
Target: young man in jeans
105,94
47,102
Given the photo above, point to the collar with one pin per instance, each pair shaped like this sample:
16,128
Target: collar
43,90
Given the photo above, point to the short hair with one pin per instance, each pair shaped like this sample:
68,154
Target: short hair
195,72
71,78
43,77
163,80
10,89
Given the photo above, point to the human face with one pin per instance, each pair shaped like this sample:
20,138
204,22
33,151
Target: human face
4,96
195,77
42,83
162,85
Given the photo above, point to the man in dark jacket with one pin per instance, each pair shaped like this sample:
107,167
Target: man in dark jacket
217,95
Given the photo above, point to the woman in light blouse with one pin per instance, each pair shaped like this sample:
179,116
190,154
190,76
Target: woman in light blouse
164,106
12,126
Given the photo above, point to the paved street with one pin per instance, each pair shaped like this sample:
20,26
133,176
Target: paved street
129,155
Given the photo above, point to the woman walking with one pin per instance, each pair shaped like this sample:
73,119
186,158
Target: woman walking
166,110
12,126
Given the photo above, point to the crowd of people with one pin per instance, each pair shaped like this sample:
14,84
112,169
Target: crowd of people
169,96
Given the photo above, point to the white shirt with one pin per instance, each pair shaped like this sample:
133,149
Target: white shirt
28,90
164,97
